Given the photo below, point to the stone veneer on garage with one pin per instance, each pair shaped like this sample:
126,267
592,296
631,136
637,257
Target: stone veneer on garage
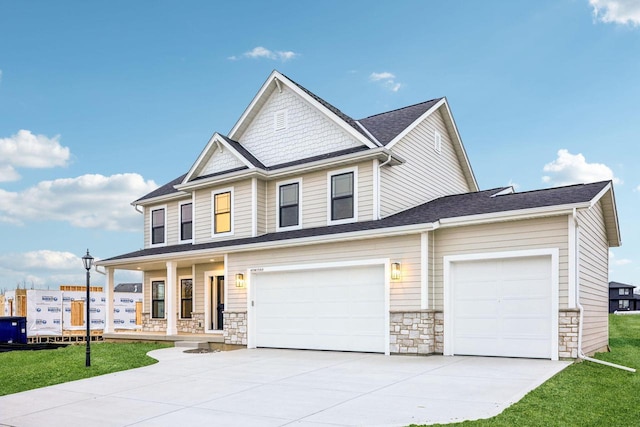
235,327
416,332
568,324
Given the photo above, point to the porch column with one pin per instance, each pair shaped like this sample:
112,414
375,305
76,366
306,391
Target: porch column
170,298
108,294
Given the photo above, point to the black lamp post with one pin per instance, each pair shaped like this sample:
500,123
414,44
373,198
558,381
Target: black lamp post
87,260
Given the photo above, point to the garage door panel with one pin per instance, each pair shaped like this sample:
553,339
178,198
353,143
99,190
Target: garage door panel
502,307
327,309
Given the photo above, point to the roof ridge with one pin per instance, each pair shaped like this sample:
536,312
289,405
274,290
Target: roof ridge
559,187
402,108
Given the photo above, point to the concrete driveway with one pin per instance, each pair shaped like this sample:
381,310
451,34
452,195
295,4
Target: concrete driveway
268,387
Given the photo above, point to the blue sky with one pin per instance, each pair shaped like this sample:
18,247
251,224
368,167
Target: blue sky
100,102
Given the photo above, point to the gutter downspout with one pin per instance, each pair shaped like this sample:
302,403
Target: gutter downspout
385,162
581,354
138,210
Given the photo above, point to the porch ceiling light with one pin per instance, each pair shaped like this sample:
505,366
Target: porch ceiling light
239,280
395,271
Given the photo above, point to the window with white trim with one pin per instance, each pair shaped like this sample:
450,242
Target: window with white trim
158,229
342,200
288,204
222,211
623,291
186,221
157,299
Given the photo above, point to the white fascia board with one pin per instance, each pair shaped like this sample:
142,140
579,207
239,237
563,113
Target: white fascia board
268,82
304,241
609,189
221,179
215,139
369,134
461,145
511,215
415,123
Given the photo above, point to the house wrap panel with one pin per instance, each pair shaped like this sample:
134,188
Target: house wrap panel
427,174
527,234
307,132
404,294
593,276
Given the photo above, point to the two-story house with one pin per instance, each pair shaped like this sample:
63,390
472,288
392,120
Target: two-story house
622,297
304,228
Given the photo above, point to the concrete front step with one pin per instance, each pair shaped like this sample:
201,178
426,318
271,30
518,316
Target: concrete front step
192,344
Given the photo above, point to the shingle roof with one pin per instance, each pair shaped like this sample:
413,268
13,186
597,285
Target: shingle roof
454,206
163,190
244,152
386,126
616,285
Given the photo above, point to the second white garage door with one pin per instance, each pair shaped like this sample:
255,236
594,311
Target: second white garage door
502,307
321,309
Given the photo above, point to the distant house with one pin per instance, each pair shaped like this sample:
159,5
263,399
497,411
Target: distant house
128,287
622,297
305,228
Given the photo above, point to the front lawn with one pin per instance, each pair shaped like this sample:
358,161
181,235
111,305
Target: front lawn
26,370
585,394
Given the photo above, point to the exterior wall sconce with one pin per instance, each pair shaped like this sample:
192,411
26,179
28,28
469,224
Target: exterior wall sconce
239,280
395,271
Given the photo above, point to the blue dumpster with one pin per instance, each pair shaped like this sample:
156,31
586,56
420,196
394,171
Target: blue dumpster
13,330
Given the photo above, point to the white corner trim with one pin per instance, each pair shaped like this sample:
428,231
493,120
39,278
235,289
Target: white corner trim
254,207
424,270
572,261
356,200
415,123
553,253
369,134
376,189
216,140
300,203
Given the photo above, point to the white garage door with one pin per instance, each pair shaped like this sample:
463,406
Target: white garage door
502,307
323,309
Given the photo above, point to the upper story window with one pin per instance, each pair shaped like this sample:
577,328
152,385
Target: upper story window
342,196
186,221
623,291
157,299
222,215
288,201
158,229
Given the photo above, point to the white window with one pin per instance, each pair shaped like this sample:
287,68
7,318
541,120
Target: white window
289,205
222,212
623,291
186,221
623,304
342,196
280,120
158,226
437,142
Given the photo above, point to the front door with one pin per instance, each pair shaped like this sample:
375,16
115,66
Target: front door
217,302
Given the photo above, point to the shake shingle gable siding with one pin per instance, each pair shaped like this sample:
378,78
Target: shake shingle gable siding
455,206
386,126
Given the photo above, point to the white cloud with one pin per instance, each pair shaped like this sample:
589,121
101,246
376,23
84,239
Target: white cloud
387,79
88,201
614,261
570,169
625,12
260,52
41,260
26,150
515,185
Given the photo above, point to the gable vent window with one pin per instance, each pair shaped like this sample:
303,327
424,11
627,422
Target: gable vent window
437,142
280,120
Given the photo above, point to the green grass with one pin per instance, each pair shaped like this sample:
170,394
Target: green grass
26,370
585,394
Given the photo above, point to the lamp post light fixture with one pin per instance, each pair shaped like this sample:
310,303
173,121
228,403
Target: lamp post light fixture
87,260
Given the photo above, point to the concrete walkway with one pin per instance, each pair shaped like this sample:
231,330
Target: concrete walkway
266,387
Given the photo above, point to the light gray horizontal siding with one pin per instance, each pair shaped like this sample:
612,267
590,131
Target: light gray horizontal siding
426,175
537,233
594,278
404,294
